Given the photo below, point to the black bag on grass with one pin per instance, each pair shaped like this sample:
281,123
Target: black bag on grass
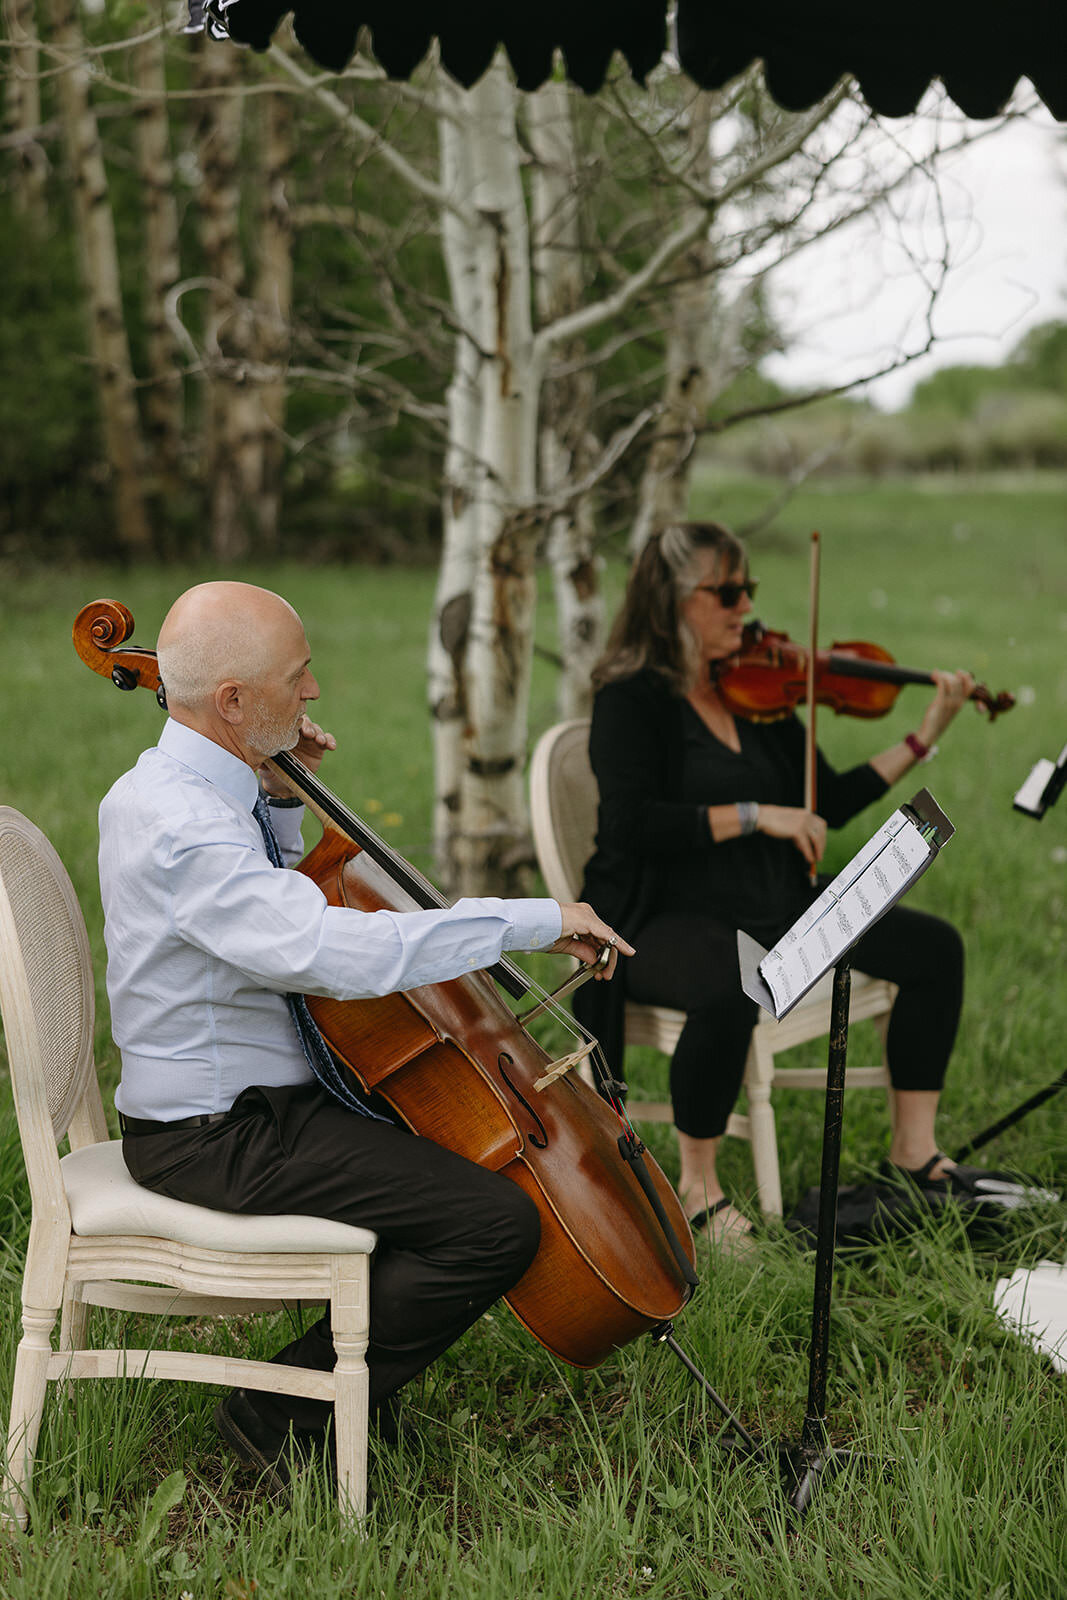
867,1213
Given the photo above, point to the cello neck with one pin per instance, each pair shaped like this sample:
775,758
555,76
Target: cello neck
333,813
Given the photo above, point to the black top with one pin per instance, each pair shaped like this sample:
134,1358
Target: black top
659,767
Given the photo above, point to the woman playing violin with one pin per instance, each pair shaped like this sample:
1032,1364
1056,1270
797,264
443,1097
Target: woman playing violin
702,830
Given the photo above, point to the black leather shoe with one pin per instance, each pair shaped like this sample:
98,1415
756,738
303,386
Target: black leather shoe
266,1448
260,1446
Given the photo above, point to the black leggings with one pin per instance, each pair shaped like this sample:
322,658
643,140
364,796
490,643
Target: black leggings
689,961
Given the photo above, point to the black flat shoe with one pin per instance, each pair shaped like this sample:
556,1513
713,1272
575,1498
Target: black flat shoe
972,1184
734,1239
702,1218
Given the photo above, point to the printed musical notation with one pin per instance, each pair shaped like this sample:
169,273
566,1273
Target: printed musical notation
876,877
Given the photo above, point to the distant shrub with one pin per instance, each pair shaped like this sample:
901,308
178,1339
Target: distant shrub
1027,430
1015,428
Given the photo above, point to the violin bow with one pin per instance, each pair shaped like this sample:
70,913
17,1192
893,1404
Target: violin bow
813,640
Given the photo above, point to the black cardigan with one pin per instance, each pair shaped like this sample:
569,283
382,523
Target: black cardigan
647,830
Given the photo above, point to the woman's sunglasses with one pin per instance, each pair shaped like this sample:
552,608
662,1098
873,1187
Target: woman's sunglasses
728,594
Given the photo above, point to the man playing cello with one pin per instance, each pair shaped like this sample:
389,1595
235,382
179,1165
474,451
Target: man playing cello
219,1099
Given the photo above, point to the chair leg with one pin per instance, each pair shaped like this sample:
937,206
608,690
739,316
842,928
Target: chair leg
74,1323
881,1023
27,1406
762,1130
73,1331
350,1319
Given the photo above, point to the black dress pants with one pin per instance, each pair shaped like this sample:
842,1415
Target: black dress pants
452,1236
688,961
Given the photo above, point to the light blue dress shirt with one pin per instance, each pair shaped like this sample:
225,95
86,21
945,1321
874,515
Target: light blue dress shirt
205,938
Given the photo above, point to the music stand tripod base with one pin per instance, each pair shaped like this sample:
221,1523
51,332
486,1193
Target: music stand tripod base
807,1461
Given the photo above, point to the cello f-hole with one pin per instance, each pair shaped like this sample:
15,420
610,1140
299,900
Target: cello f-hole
538,1140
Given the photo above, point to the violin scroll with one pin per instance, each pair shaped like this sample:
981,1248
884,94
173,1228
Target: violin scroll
991,703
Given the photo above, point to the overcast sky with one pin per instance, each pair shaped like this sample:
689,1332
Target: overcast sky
852,301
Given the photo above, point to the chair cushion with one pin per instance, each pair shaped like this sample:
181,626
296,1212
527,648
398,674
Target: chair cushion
105,1200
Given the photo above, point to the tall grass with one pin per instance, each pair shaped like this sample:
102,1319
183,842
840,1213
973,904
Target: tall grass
526,1477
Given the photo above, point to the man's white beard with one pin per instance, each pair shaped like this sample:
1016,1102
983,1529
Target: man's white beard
267,735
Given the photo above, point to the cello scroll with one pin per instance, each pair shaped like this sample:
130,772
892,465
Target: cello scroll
100,630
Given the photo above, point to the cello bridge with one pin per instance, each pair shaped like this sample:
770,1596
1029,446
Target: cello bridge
565,1064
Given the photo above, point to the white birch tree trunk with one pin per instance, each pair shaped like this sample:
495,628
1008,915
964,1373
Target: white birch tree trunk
450,625
665,483
567,449
274,299
162,264
231,438
99,252
22,113
492,549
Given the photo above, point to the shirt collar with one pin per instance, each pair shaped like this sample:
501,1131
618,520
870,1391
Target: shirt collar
227,772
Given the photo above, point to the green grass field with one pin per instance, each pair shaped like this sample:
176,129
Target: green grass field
531,1479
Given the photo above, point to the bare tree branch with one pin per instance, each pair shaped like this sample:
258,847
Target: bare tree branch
363,131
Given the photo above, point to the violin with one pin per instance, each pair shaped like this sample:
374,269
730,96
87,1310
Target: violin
769,678
616,1257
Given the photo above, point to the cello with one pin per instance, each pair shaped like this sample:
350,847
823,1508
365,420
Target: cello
616,1257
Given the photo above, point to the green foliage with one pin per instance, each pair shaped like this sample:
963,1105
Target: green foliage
960,391
1041,355
1038,363
49,448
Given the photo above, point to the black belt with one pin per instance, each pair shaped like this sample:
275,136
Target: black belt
139,1125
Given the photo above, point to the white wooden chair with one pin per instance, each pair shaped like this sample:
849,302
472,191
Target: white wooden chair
563,806
99,1239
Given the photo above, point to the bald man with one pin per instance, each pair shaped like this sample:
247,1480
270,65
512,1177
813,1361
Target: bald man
222,1100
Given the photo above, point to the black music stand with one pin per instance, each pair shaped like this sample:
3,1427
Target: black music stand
805,1462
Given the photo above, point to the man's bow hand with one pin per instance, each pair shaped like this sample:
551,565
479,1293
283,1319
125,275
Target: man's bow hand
585,936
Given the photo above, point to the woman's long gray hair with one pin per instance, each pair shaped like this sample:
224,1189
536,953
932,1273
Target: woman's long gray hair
649,630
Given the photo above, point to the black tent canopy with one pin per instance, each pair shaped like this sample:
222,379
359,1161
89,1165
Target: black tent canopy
979,50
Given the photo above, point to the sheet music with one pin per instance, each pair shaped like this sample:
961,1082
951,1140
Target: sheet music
872,881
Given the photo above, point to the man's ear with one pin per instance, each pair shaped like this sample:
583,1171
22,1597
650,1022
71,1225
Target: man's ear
229,702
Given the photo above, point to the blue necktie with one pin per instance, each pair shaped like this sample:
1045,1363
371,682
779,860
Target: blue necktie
314,1046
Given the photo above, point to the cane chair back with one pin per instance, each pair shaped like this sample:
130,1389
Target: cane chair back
99,1239
563,808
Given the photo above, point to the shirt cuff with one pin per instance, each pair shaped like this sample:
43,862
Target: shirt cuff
534,924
